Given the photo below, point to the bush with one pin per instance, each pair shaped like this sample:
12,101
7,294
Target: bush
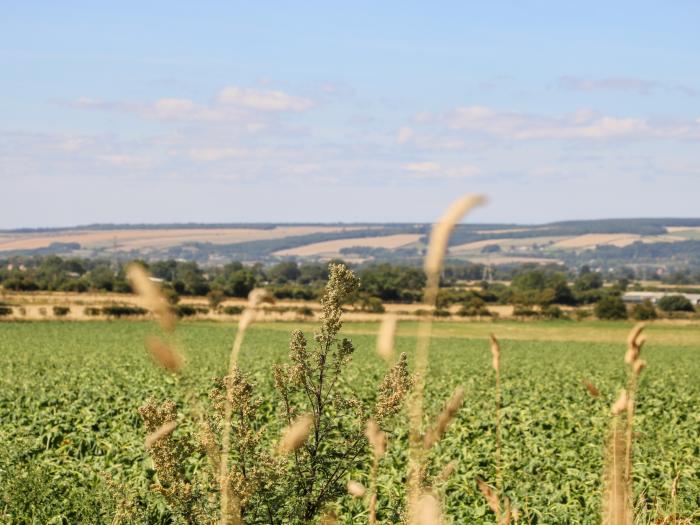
123,311
524,311
675,303
474,307
553,312
305,311
233,310
92,311
439,312
373,305
61,311
5,310
644,311
185,310
611,307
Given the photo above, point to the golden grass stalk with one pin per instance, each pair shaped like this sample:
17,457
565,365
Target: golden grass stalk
427,511
151,295
356,489
446,471
617,506
163,354
496,364
295,434
437,248
444,418
591,388
377,439
255,299
165,430
386,337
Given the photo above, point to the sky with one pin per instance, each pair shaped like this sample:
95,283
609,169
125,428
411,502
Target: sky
133,112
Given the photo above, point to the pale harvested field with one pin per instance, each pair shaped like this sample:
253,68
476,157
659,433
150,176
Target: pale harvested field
678,229
332,248
506,243
158,238
506,259
612,239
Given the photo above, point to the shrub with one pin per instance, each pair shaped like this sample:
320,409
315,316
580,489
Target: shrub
61,311
373,305
123,311
92,311
474,307
305,311
287,487
233,310
440,312
675,303
644,311
185,310
524,311
611,307
553,312
5,310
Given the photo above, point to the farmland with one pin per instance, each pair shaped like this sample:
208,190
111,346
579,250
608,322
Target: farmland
70,392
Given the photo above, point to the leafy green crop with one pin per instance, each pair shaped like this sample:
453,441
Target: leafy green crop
73,440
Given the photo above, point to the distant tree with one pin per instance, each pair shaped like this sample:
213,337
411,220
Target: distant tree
611,307
284,272
644,311
588,281
675,303
215,297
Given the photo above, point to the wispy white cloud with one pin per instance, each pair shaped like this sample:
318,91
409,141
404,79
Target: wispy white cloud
579,125
263,100
623,84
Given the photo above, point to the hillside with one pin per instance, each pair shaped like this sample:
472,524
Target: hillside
612,242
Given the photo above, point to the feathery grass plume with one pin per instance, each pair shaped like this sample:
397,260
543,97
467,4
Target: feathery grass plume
256,297
356,489
427,511
295,434
492,499
164,430
377,439
163,354
386,337
437,248
444,418
495,353
151,295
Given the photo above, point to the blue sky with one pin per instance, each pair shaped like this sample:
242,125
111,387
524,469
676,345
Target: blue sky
355,111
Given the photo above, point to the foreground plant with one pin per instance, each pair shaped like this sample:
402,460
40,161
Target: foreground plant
294,480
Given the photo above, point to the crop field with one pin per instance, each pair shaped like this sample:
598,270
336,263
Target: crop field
70,393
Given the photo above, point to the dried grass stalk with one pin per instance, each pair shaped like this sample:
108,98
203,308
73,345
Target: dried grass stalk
377,439
386,337
446,471
446,416
356,489
151,295
620,405
495,353
591,388
435,257
491,497
295,434
427,511
256,297
617,507
163,355
163,431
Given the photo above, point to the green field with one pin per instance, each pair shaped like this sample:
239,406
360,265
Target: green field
69,394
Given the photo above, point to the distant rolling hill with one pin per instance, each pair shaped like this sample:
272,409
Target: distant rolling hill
607,242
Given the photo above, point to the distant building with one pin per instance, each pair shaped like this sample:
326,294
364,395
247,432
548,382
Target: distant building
640,297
